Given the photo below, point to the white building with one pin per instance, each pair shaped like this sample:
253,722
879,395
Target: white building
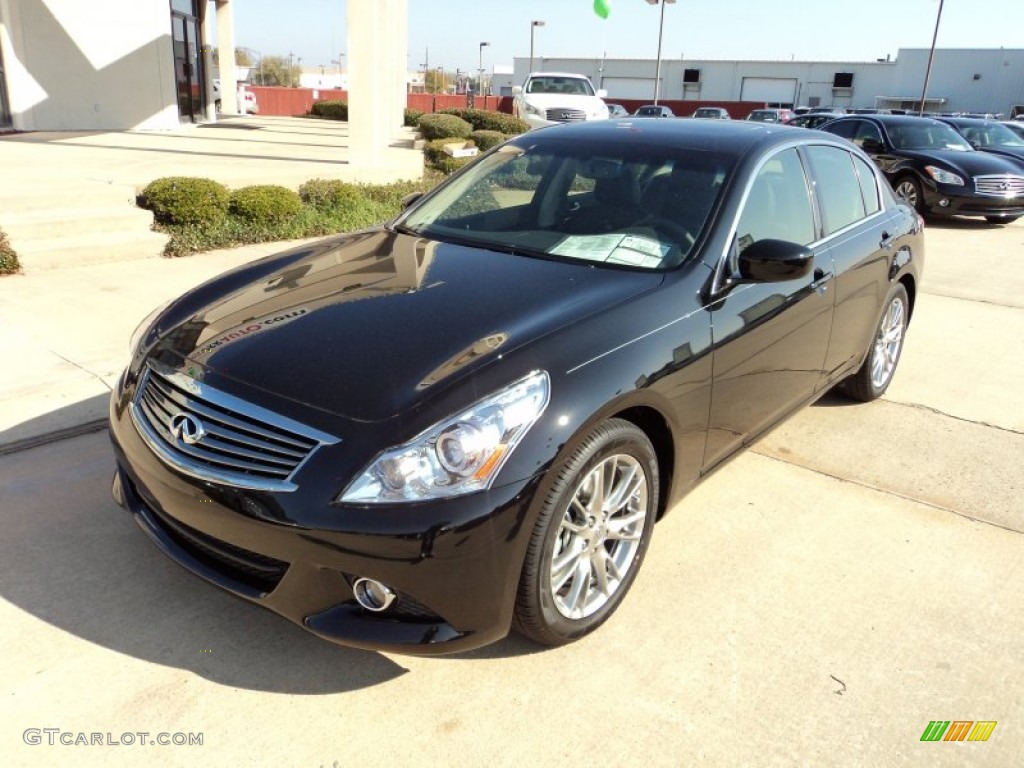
962,80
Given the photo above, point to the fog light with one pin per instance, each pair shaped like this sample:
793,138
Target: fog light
372,595
944,203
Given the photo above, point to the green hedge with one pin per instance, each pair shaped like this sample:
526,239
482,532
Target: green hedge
440,160
489,120
412,117
8,258
186,200
266,203
487,139
332,109
328,194
441,126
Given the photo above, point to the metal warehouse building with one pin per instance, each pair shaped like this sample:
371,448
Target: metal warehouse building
962,80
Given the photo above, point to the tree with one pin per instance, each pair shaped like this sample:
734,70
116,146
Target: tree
242,57
277,70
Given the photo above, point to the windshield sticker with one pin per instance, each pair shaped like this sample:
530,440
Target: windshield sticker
615,249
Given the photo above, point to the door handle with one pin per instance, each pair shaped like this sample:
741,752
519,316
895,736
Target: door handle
821,278
887,241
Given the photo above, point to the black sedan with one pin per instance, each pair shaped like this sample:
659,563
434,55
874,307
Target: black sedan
416,437
989,136
654,110
935,169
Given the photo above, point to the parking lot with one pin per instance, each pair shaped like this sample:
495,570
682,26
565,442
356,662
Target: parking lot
817,602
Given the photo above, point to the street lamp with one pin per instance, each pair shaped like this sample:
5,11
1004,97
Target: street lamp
931,56
480,70
661,30
533,26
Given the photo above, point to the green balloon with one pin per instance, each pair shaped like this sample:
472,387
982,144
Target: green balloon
602,8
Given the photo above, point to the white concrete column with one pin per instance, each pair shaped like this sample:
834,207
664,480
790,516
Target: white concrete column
376,33
226,56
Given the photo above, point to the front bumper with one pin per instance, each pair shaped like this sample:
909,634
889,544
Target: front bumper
455,565
949,200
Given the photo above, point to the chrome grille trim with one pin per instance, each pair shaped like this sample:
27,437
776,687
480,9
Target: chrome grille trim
565,115
241,444
1005,185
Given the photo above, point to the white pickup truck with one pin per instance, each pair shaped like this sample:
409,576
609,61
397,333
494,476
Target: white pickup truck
549,98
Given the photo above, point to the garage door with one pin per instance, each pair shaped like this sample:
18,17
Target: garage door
771,90
631,87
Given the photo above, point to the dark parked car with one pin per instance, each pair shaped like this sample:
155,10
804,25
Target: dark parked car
417,436
653,110
812,119
770,115
711,113
934,168
989,136
617,110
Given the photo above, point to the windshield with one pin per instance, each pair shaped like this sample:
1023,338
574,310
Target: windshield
577,86
992,135
927,136
621,201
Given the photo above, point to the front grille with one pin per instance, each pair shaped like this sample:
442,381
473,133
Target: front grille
213,436
257,571
560,115
999,186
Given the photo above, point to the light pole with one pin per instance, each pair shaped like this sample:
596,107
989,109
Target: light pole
533,26
661,30
480,70
931,56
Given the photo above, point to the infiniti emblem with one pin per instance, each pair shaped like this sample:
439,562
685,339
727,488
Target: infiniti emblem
187,428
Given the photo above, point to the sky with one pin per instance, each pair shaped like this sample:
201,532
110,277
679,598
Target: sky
449,32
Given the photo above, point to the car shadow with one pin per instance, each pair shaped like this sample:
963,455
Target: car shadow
962,224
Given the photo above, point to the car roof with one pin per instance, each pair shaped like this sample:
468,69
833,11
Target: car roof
731,136
575,75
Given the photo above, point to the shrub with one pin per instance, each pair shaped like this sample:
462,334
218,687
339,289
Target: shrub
489,120
411,117
8,258
186,200
327,194
265,203
332,109
437,158
487,139
441,126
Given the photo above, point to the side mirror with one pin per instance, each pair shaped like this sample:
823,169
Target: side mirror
411,198
774,261
871,145
602,93
516,90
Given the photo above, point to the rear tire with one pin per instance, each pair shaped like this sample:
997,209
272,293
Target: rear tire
594,526
873,377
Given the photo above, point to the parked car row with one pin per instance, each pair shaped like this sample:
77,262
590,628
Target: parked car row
951,167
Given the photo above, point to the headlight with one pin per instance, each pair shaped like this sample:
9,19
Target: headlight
944,177
459,455
532,110
142,327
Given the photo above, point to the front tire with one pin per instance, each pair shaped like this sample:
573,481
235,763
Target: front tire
908,189
873,377
592,531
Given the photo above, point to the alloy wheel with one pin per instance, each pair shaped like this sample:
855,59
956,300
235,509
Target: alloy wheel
599,536
886,352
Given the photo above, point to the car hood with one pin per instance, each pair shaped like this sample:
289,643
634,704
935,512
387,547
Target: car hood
972,163
365,326
568,100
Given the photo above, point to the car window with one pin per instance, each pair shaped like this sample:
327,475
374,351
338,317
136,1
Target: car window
837,185
846,128
927,135
865,131
868,185
778,204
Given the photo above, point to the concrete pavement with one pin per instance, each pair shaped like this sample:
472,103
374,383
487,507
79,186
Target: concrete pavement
817,602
